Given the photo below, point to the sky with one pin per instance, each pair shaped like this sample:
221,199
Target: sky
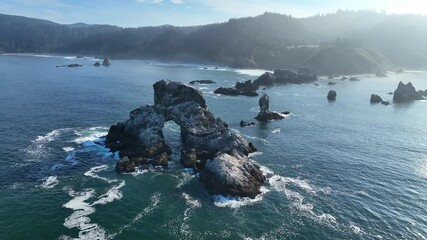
136,13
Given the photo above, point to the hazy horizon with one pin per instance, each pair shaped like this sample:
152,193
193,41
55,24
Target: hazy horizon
139,13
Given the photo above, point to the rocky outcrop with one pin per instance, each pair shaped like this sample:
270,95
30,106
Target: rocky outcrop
354,79
246,124
331,83
241,88
375,98
386,103
97,64
332,95
424,93
74,65
285,76
264,114
106,62
406,93
202,82
266,79
208,146
247,86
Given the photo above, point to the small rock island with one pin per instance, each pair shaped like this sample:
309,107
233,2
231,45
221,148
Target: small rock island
208,146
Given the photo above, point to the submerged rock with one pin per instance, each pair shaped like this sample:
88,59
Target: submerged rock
264,114
208,146
354,79
386,103
97,64
332,95
375,98
74,65
406,93
246,124
202,82
331,83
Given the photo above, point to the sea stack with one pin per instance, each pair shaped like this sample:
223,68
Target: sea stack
208,146
106,62
406,93
264,114
375,98
332,95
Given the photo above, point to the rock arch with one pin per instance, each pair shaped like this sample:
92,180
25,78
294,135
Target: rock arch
208,146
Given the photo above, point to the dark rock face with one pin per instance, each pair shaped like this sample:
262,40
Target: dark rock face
331,83
386,103
202,82
97,64
246,124
73,65
106,62
247,86
267,79
424,93
264,114
406,93
375,98
246,89
285,76
332,95
207,144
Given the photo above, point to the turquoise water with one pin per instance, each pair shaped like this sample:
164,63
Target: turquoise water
342,170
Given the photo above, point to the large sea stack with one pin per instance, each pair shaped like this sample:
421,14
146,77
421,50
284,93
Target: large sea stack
406,93
221,157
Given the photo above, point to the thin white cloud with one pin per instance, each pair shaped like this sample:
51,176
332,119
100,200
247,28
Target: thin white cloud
177,1
149,1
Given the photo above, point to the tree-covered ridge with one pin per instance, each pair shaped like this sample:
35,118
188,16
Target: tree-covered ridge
270,40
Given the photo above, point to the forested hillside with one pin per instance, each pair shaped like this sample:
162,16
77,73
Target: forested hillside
366,41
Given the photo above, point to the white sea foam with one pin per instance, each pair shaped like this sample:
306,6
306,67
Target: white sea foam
356,229
298,202
79,218
68,149
90,134
139,171
276,130
237,202
252,72
190,201
155,200
92,173
113,194
186,176
50,182
82,208
37,150
192,204
254,154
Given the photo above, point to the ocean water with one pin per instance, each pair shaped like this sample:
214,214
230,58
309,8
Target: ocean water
341,170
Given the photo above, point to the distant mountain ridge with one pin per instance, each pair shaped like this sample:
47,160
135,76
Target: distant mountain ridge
346,42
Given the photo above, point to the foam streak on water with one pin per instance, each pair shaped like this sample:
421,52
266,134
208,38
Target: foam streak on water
82,209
